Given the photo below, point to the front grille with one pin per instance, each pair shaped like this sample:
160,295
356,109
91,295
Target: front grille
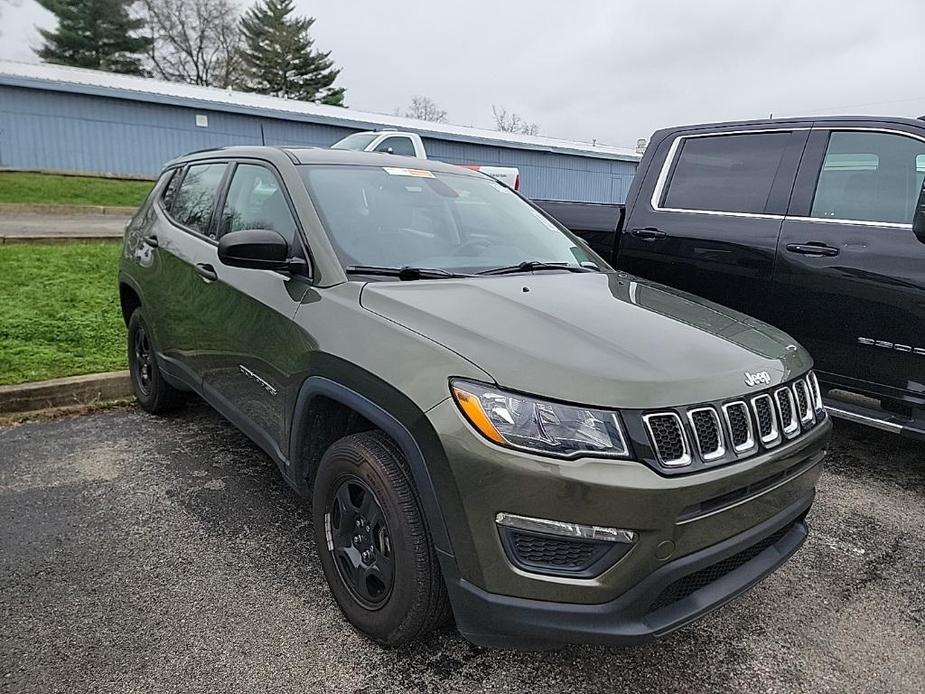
690,584
708,432
668,438
718,431
550,551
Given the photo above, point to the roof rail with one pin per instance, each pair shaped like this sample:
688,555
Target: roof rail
207,149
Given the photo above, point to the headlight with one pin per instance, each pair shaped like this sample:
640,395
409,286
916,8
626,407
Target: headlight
539,426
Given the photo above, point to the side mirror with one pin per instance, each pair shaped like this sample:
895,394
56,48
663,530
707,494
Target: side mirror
918,220
257,249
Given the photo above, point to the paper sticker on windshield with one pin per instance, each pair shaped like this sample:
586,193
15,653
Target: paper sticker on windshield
419,173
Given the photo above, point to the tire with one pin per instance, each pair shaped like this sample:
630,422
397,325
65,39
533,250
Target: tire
152,392
397,594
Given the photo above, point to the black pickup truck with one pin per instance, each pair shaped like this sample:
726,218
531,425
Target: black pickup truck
815,225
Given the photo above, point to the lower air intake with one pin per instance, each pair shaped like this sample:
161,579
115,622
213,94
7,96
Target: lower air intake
691,583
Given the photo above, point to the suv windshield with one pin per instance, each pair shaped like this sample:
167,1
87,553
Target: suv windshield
357,141
388,216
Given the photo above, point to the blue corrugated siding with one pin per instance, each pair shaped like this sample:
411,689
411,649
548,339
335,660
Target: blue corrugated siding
42,129
546,175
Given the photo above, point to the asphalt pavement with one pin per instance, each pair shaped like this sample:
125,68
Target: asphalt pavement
146,554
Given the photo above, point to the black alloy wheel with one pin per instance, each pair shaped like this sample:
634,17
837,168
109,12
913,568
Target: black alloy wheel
375,551
358,537
153,393
143,364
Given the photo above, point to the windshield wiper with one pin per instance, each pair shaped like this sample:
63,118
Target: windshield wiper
405,272
531,265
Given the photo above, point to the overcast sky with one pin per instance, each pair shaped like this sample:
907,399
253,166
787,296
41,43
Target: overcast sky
608,70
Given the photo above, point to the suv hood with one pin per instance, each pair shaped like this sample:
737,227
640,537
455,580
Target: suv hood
606,339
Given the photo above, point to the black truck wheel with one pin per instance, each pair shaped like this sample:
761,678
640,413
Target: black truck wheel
153,393
375,550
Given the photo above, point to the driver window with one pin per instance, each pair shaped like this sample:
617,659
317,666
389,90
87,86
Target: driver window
870,176
256,201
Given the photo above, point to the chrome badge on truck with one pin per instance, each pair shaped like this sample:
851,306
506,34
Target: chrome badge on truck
758,378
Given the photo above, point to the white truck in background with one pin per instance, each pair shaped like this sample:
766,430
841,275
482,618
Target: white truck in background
409,144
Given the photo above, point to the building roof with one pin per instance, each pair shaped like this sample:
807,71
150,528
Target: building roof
76,80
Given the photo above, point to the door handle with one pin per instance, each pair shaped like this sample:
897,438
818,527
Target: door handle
206,272
814,248
151,240
648,234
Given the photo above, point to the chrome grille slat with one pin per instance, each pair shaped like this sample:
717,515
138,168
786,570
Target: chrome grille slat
786,409
740,426
708,432
816,392
668,438
766,420
804,406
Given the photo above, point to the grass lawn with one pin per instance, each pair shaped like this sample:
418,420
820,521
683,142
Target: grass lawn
51,189
59,311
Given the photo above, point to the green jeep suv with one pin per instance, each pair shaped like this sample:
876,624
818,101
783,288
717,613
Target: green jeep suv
491,423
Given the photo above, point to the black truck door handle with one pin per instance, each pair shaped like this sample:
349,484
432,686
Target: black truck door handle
207,272
648,234
812,248
151,240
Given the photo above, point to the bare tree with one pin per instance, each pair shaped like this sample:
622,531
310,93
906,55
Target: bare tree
512,122
425,108
195,41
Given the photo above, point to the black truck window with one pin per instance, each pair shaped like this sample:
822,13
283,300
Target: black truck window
726,173
870,176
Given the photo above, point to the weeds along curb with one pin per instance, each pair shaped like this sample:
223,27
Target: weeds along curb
63,392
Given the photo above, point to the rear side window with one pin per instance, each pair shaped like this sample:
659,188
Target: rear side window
726,173
195,197
398,145
170,190
870,177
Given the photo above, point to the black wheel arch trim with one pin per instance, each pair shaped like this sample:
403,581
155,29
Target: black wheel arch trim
314,386
129,282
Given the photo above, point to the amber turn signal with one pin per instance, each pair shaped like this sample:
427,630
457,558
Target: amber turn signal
472,408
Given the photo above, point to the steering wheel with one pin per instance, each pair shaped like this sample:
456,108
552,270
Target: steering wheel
471,245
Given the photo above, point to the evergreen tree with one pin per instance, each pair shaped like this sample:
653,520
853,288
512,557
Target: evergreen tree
97,34
279,58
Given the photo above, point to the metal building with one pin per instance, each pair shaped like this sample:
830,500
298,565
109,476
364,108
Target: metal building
69,119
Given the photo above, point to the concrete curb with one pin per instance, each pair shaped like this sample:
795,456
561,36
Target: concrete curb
59,238
79,174
18,208
60,392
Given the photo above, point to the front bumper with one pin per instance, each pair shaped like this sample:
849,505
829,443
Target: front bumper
682,524
646,611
